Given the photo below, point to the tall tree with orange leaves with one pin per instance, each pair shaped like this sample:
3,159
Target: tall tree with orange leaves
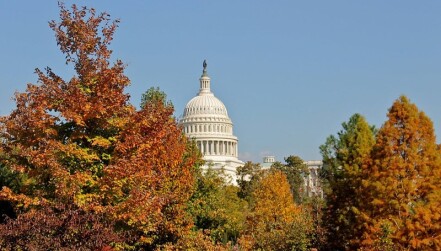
402,186
275,221
80,142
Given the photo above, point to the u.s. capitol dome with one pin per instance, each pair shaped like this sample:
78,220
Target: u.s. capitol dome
205,119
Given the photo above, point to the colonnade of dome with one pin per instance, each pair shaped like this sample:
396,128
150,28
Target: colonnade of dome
217,147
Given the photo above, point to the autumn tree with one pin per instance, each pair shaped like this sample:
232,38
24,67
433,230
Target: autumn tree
402,186
81,143
151,178
344,158
275,221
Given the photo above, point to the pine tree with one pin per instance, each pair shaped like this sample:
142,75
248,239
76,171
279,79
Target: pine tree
402,187
343,160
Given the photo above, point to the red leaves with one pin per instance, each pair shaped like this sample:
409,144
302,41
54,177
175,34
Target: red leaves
59,227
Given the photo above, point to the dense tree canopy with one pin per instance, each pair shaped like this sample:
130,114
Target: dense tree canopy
217,208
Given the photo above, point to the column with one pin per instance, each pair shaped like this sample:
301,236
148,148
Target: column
215,147
201,143
231,149
227,151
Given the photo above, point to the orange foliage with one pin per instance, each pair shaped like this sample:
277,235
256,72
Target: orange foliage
403,184
80,142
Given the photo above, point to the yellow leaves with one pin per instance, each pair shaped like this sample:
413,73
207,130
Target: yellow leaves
101,142
274,218
84,200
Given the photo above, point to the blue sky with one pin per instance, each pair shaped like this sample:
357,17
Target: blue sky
289,72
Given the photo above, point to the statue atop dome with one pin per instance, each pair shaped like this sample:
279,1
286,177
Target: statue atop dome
204,72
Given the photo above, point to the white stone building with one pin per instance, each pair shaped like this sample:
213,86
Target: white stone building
268,161
206,120
312,185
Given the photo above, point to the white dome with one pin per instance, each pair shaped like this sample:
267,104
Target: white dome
205,104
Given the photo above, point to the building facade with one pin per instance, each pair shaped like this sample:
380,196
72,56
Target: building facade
312,185
205,119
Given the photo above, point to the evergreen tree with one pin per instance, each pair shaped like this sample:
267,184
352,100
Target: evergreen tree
344,158
402,187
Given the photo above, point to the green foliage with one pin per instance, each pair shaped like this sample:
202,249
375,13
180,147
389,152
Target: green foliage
14,180
154,95
10,178
248,177
216,207
344,157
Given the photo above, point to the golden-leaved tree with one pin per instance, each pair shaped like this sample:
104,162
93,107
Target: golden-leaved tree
275,221
402,186
81,143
